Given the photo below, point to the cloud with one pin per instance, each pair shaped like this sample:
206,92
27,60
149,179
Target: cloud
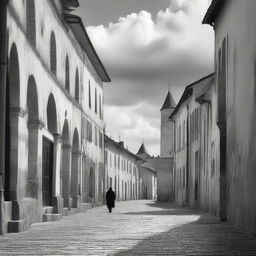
142,54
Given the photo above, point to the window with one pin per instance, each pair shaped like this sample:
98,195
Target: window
100,107
96,101
77,86
53,54
31,21
89,95
89,131
106,157
67,75
96,136
100,139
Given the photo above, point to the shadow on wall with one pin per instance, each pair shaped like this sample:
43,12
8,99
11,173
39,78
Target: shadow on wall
206,236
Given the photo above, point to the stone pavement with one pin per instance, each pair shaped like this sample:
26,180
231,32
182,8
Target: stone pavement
134,228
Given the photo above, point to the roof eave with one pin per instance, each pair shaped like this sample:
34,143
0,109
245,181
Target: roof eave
213,12
73,19
186,94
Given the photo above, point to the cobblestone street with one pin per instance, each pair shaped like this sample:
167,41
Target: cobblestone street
134,228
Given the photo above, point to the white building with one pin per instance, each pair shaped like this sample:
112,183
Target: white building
54,114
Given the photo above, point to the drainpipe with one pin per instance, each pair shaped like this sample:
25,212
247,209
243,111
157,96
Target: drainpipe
3,72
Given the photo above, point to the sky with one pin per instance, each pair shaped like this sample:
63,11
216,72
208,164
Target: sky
147,46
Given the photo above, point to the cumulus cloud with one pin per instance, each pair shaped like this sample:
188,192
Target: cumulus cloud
142,54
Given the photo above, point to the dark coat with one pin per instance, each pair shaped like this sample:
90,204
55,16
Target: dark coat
110,198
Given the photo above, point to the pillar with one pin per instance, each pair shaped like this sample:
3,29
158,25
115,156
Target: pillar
75,190
57,200
66,174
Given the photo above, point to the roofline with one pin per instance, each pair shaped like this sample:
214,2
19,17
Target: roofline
77,20
187,93
116,144
213,11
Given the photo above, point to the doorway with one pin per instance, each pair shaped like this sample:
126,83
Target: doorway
47,172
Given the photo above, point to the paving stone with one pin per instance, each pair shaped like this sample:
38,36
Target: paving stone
134,228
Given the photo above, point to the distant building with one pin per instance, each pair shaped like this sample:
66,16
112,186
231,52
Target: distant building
148,175
54,148
122,170
197,156
234,25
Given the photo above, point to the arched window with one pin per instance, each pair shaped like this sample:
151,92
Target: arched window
89,93
67,75
53,54
77,86
96,101
31,21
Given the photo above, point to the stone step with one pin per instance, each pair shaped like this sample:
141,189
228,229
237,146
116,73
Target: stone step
51,217
69,211
65,211
48,210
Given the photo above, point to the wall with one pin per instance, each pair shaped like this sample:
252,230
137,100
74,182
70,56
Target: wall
240,108
164,170
149,183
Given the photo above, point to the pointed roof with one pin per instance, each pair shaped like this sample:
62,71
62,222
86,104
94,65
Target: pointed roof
169,102
142,149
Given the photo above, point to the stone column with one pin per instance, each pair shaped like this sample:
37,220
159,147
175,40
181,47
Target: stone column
66,174
17,181
57,200
34,158
76,178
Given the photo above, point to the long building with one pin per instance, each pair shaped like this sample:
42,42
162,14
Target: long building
197,142
54,147
122,170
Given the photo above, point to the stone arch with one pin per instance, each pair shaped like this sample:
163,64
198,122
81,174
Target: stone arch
91,185
77,87
67,74
14,78
33,129
66,163
51,115
12,120
75,169
53,54
31,21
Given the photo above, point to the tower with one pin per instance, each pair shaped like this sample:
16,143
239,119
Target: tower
167,127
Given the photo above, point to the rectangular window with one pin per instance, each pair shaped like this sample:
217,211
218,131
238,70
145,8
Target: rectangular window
89,131
100,139
96,101
96,136
106,157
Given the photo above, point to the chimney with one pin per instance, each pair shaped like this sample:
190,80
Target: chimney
121,143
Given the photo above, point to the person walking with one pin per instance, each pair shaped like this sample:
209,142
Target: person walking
110,198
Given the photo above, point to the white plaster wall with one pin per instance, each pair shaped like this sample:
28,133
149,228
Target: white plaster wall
237,23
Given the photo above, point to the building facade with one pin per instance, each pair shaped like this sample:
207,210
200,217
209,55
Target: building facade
122,170
197,143
149,188
235,83
54,148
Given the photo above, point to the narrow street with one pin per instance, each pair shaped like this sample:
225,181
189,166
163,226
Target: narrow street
134,228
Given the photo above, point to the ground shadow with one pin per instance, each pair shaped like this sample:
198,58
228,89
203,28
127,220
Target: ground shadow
203,237
167,208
